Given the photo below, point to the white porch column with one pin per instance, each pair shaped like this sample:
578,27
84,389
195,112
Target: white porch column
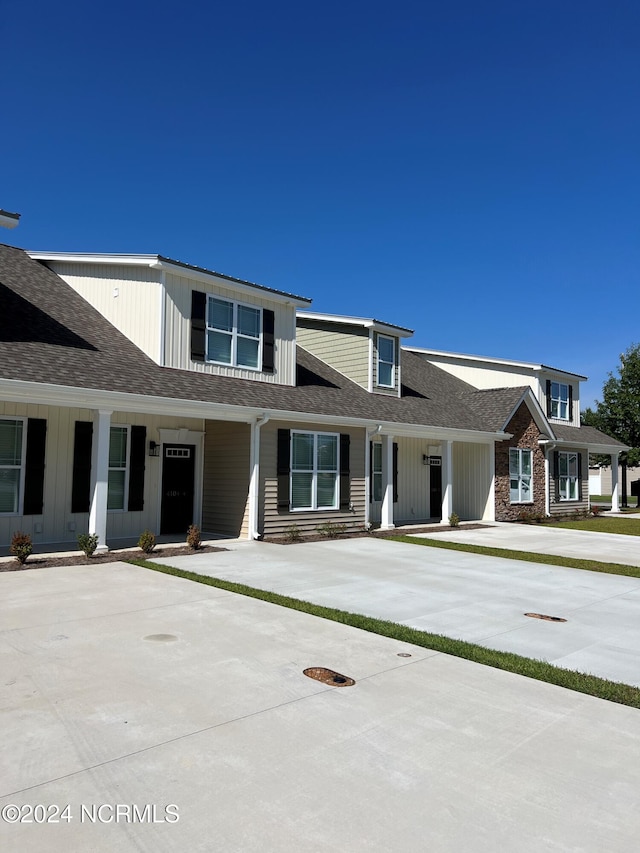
490,508
386,519
100,477
447,481
615,496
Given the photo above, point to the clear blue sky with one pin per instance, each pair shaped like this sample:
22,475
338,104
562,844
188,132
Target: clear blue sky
468,169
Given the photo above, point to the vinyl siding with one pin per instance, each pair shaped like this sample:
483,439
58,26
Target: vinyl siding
575,390
226,478
178,330
57,516
345,349
413,482
135,311
274,523
471,480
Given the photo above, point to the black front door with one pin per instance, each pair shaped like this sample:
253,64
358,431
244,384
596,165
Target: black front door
435,486
178,476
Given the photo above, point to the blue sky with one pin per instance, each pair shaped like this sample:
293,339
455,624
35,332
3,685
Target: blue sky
468,169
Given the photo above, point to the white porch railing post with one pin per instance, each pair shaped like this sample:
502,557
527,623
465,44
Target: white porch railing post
100,477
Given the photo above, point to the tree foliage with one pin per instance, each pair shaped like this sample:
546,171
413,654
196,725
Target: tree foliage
618,413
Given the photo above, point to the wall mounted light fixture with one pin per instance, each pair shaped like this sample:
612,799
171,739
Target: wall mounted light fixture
154,448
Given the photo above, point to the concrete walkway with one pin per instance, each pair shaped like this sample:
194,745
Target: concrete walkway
466,596
124,687
582,544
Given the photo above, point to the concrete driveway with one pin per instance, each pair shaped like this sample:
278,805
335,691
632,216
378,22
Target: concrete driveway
461,595
125,688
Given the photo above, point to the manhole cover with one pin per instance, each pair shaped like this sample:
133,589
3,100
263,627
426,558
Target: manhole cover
404,655
546,618
328,676
161,638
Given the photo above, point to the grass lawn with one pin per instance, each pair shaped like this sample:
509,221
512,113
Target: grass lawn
613,691
627,526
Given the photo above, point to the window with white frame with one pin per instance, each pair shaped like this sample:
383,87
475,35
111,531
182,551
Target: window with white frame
568,476
520,474
118,477
559,401
12,449
233,333
386,361
314,470
376,471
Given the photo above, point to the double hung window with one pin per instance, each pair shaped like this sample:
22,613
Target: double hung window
118,477
233,333
559,401
12,445
376,471
568,479
386,361
520,473
314,470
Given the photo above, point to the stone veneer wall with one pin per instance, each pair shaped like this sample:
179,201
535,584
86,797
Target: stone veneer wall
525,435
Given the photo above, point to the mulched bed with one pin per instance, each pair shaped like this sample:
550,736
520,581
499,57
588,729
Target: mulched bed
36,562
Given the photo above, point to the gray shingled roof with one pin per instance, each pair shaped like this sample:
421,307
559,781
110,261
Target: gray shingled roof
495,404
51,334
586,435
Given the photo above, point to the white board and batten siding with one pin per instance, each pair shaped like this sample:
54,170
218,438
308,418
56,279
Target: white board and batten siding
275,523
346,348
57,523
128,296
177,351
413,482
225,500
472,477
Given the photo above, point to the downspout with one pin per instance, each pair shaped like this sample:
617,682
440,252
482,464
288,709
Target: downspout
254,484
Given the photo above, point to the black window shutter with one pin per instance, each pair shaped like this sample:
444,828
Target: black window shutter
395,472
548,398
136,468
579,476
284,468
345,471
570,402
198,312
81,484
556,474
268,340
34,466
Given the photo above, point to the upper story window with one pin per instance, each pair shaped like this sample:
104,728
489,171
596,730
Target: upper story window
386,361
559,401
233,333
11,464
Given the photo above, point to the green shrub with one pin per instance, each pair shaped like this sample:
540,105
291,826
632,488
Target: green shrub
454,519
194,537
331,529
88,542
147,541
21,546
292,533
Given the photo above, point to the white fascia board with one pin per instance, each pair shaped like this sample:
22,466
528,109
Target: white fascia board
366,322
603,449
89,398
156,262
489,361
536,410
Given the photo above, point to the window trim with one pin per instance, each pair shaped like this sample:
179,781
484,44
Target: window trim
22,467
380,360
127,470
520,451
234,333
559,401
568,477
314,472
